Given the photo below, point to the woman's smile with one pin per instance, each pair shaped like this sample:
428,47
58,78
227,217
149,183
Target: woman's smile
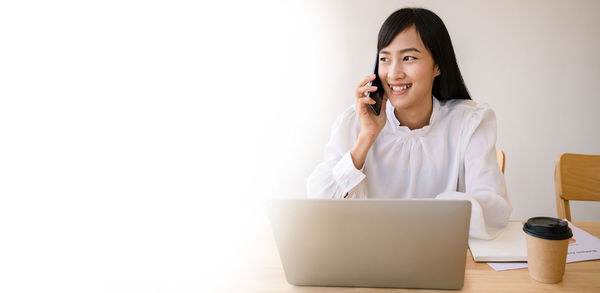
398,89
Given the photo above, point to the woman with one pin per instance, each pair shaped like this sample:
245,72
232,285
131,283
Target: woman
430,140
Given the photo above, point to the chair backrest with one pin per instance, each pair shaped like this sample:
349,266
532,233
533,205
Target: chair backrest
576,177
500,158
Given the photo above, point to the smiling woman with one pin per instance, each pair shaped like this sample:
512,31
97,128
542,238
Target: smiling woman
407,71
430,140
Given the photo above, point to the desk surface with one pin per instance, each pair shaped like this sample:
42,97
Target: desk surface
261,271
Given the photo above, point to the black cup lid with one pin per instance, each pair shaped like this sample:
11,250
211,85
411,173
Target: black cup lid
548,228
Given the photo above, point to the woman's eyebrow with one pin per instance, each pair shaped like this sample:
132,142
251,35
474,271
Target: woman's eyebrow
401,51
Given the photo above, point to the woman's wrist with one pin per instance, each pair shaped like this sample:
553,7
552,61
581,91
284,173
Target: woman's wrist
366,138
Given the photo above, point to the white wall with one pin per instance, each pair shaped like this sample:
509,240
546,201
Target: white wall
534,62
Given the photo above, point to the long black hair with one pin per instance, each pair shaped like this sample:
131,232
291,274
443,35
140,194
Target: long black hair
449,84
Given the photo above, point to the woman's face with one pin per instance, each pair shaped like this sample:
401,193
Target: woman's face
407,70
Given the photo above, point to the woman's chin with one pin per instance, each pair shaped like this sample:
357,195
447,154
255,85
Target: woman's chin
399,102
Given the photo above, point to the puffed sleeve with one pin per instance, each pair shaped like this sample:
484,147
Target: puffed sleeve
484,183
336,176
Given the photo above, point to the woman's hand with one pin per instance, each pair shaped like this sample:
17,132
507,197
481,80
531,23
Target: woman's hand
370,124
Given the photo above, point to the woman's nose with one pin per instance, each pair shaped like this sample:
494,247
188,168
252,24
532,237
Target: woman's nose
396,72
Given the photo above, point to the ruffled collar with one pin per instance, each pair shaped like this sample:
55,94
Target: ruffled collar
404,130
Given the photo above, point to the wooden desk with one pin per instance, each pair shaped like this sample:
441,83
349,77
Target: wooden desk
261,271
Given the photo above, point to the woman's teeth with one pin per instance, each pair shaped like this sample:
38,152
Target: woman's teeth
401,88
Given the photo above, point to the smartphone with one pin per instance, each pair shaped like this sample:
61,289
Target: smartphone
377,95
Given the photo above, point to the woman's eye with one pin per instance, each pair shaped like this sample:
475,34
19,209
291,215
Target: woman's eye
409,58
384,59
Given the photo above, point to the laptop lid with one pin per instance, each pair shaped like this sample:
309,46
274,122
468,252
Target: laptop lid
398,243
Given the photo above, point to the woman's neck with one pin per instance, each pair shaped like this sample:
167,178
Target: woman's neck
415,117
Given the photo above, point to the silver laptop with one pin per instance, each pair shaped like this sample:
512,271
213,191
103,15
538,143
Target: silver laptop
402,243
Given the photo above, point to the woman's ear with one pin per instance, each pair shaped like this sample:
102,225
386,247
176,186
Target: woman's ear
436,71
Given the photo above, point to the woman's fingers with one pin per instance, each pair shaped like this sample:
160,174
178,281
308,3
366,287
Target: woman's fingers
364,90
366,100
360,88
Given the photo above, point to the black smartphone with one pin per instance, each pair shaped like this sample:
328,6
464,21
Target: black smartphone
377,95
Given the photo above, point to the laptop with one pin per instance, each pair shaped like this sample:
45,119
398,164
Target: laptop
392,243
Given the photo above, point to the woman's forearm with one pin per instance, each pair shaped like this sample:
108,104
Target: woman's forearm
360,149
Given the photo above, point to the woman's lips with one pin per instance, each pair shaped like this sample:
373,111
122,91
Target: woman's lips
400,88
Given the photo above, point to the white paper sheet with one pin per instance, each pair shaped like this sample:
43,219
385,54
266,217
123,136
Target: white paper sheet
508,246
503,266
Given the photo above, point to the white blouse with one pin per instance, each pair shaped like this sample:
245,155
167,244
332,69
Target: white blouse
454,157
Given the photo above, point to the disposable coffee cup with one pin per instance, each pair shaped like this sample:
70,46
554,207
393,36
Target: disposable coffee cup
547,245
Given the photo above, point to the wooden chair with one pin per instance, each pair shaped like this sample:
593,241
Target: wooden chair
500,158
576,177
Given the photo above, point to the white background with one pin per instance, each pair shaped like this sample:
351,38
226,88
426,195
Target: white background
139,139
